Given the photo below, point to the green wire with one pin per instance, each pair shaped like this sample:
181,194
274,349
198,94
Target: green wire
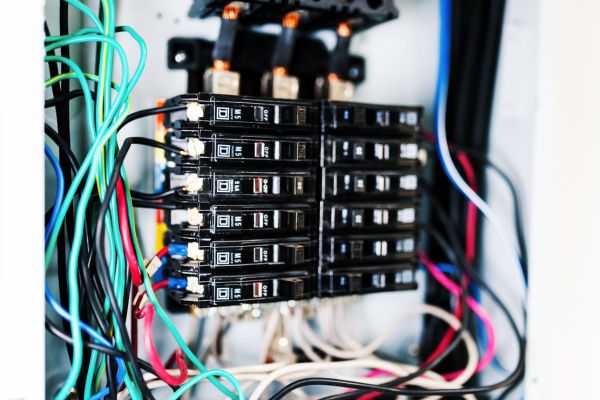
102,125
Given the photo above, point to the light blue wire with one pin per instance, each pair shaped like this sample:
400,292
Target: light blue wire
60,190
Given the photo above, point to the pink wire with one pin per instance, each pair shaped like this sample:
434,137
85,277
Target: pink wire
471,228
470,242
455,290
470,246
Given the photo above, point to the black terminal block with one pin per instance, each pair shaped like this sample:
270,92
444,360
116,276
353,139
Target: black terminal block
289,200
321,14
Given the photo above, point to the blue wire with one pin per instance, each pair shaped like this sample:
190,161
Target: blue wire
60,188
441,92
60,191
92,333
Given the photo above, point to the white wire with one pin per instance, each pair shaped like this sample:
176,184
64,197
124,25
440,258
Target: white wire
372,346
299,337
269,334
268,373
469,370
396,369
346,338
458,181
261,372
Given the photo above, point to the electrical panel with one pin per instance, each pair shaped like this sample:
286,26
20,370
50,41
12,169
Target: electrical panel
289,200
272,184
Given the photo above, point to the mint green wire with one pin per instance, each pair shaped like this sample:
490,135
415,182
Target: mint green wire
104,137
86,11
209,374
76,244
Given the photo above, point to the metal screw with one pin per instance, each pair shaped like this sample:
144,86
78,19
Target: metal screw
180,57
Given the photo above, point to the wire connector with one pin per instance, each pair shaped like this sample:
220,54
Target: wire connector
180,250
177,283
153,265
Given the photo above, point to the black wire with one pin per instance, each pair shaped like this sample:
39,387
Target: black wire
455,253
61,241
111,369
91,289
64,98
56,331
93,292
109,351
150,111
88,293
152,204
457,339
63,146
154,196
518,214
99,246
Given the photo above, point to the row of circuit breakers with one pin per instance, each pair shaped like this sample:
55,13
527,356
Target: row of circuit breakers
288,200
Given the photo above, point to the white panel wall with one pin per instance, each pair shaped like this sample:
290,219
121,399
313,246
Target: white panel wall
565,223
21,201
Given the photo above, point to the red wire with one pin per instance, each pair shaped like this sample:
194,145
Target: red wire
155,287
153,357
134,267
470,242
162,252
470,245
471,223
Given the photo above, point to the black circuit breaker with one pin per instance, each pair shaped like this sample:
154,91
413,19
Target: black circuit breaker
368,198
289,200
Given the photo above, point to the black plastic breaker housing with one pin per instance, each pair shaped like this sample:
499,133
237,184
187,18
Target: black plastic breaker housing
289,200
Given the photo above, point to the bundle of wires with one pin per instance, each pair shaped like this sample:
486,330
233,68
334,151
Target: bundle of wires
95,281
91,228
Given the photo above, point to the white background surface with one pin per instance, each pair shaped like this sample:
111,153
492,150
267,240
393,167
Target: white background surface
21,200
545,127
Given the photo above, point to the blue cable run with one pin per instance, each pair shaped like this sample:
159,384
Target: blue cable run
58,199
60,191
